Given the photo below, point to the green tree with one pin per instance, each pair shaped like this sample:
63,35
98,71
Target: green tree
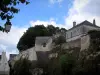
8,9
58,44
28,38
22,67
67,63
51,29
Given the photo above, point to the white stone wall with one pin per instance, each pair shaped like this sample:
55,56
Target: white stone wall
39,47
30,53
88,28
74,33
4,66
85,42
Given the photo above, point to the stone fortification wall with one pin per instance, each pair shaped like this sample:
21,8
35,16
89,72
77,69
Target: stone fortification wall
85,42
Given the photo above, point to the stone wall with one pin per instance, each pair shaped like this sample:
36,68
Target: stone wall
85,42
72,44
39,47
74,32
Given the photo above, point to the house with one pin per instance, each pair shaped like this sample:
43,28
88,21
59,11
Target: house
4,66
77,35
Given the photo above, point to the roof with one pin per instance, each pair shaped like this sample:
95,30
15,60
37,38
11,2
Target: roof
87,23
41,40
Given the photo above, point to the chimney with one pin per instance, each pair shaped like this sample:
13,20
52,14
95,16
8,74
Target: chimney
74,24
94,22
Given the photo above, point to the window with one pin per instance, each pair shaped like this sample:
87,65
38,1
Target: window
44,44
5,63
71,34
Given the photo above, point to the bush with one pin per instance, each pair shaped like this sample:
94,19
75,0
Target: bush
22,67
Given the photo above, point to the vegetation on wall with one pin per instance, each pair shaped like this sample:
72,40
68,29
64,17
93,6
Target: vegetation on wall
87,62
71,62
22,67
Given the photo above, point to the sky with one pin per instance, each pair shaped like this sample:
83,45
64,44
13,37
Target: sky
59,13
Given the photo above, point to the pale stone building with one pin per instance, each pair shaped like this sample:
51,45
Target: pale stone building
77,35
43,43
4,66
39,52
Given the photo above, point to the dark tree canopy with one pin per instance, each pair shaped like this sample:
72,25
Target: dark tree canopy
8,9
28,38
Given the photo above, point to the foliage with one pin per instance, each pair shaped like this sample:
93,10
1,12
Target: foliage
86,62
22,67
89,65
28,38
62,65
94,40
67,63
8,8
60,40
54,67
58,44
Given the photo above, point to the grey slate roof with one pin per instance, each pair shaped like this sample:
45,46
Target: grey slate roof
87,23
41,40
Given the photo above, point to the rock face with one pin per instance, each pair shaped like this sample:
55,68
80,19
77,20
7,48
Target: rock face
4,67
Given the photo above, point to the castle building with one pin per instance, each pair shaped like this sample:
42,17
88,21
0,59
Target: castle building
77,35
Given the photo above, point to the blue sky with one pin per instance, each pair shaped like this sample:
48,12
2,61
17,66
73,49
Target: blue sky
60,13
42,10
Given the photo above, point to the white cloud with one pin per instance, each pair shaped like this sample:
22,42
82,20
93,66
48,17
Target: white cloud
83,10
55,1
52,21
9,41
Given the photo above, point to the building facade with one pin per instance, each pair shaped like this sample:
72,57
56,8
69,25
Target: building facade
74,36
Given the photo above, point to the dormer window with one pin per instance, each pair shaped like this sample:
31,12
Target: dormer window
44,44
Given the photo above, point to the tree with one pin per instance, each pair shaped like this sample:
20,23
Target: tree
22,67
8,9
59,42
51,29
28,38
67,62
